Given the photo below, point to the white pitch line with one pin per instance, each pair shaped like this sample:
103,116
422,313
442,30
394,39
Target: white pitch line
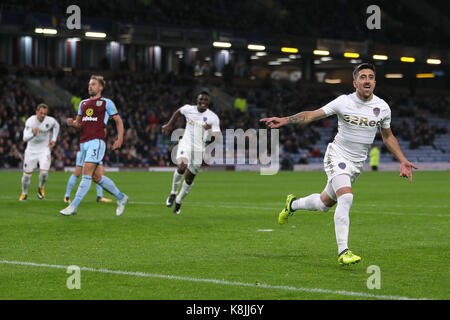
216,281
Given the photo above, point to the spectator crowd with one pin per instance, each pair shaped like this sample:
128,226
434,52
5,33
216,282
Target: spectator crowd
147,101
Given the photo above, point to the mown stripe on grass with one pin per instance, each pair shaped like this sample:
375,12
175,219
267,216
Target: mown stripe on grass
232,205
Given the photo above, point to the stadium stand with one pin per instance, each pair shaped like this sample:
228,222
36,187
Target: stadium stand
147,98
146,103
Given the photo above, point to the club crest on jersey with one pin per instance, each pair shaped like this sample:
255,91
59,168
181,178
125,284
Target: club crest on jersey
342,165
376,111
99,103
205,118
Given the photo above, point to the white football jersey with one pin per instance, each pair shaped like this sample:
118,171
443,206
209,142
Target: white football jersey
358,122
48,131
195,133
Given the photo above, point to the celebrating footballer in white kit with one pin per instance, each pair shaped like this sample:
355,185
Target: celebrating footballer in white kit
199,122
40,134
360,114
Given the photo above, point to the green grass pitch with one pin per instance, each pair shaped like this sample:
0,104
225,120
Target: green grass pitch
226,244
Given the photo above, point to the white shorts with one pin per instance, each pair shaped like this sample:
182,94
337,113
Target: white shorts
32,159
194,156
338,182
334,165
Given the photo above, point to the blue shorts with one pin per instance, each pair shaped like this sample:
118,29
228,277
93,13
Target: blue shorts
92,151
79,162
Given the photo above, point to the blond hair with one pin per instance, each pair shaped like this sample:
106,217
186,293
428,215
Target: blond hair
100,80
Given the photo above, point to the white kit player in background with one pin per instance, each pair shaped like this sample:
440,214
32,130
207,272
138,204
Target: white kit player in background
40,134
201,124
360,114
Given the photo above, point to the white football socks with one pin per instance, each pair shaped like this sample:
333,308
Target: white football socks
311,202
26,179
342,220
176,182
43,175
185,188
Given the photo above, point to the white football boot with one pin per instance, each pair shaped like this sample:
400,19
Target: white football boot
121,205
71,210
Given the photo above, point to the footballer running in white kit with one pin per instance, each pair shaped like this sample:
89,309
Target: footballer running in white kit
201,124
192,145
360,115
40,134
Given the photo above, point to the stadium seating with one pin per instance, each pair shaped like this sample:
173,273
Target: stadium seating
141,97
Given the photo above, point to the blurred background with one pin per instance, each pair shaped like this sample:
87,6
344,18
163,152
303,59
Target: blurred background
257,58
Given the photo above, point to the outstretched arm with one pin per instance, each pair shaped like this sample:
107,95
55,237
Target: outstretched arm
166,128
391,143
301,118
